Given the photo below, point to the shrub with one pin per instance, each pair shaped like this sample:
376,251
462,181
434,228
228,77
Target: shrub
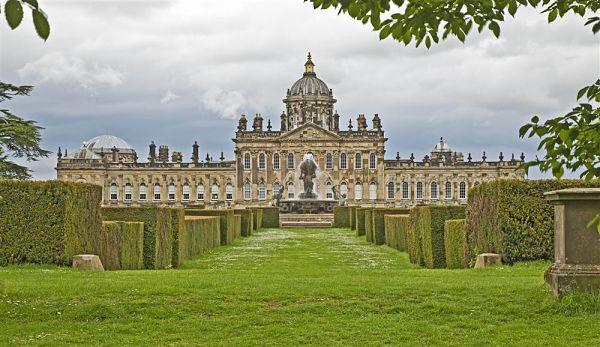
201,234
247,221
428,226
227,222
341,216
120,245
353,217
396,229
270,217
360,221
48,222
512,218
258,215
237,226
455,243
178,229
378,228
369,224
413,244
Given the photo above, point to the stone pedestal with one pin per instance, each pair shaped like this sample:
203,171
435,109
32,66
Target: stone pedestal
576,247
87,262
487,259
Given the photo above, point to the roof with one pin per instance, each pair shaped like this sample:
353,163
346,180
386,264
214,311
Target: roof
104,144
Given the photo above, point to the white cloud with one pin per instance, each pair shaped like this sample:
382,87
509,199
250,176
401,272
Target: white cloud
169,96
226,104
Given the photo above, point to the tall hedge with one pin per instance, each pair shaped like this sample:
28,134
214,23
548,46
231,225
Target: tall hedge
512,218
201,234
257,213
247,221
178,230
455,243
47,222
396,229
120,245
237,220
161,228
341,216
369,224
227,222
428,224
353,217
270,217
360,221
378,227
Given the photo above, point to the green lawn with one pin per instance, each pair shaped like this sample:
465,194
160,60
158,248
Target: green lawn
293,287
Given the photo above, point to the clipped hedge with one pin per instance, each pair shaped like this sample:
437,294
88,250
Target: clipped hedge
161,230
353,217
512,218
227,222
378,228
237,222
396,229
270,217
369,224
360,221
120,245
428,226
201,234
257,213
47,222
341,216
178,229
247,221
455,243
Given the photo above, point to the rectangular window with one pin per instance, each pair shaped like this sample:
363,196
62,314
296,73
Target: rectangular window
343,161
261,192
419,190
229,192
405,190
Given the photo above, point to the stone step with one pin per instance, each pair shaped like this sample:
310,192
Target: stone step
305,224
291,220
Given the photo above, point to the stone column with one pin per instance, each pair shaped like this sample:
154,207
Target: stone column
576,247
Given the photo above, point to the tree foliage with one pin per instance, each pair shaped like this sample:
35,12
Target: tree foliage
13,12
19,138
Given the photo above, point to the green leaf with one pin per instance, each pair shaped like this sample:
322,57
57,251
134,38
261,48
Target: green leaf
495,28
552,15
428,42
512,7
13,10
385,32
42,27
596,28
535,119
32,3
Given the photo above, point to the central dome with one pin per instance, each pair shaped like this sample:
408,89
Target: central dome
104,144
309,84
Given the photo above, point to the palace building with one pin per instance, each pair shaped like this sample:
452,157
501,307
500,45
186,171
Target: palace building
351,163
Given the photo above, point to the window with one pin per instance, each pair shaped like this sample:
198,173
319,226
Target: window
448,190
143,192
247,161
358,191
328,191
113,192
343,190
290,190
290,160
247,191
329,161
358,161
200,192
262,194
372,161
419,190
214,192
185,192
261,161
276,161
157,192
462,190
390,190
229,192
343,161
128,191
405,190
171,192
275,189
373,191
434,190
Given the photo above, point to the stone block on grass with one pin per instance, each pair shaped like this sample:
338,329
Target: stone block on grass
87,262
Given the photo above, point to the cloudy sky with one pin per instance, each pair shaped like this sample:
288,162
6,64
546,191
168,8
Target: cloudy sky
182,71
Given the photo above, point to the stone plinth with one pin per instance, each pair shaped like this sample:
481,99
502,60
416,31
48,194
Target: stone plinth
307,206
576,247
487,259
87,262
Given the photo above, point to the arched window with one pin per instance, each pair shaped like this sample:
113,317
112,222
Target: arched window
329,191
128,191
229,192
373,191
171,192
113,192
343,161
290,160
448,191
405,193
247,161
262,193
462,190
261,161
247,191
434,190
391,190
276,189
143,192
214,192
200,192
358,161
344,190
290,189
276,161
372,161
185,192
419,190
329,161
358,191
157,192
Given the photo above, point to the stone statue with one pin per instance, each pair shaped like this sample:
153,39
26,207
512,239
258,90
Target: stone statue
308,171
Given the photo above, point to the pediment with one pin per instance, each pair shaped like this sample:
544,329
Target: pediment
309,132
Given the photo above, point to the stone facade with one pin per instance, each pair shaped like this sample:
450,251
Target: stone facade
350,163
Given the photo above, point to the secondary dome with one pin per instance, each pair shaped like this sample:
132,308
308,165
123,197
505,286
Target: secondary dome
442,146
309,84
104,144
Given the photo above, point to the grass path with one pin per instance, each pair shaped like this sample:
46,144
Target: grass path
292,287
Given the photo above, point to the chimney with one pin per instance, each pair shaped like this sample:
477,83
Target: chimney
152,154
195,148
163,153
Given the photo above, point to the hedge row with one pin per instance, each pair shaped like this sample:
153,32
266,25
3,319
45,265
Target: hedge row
512,218
201,234
47,222
396,231
227,224
455,243
341,216
257,214
247,223
120,245
360,222
369,224
353,217
378,226
270,217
